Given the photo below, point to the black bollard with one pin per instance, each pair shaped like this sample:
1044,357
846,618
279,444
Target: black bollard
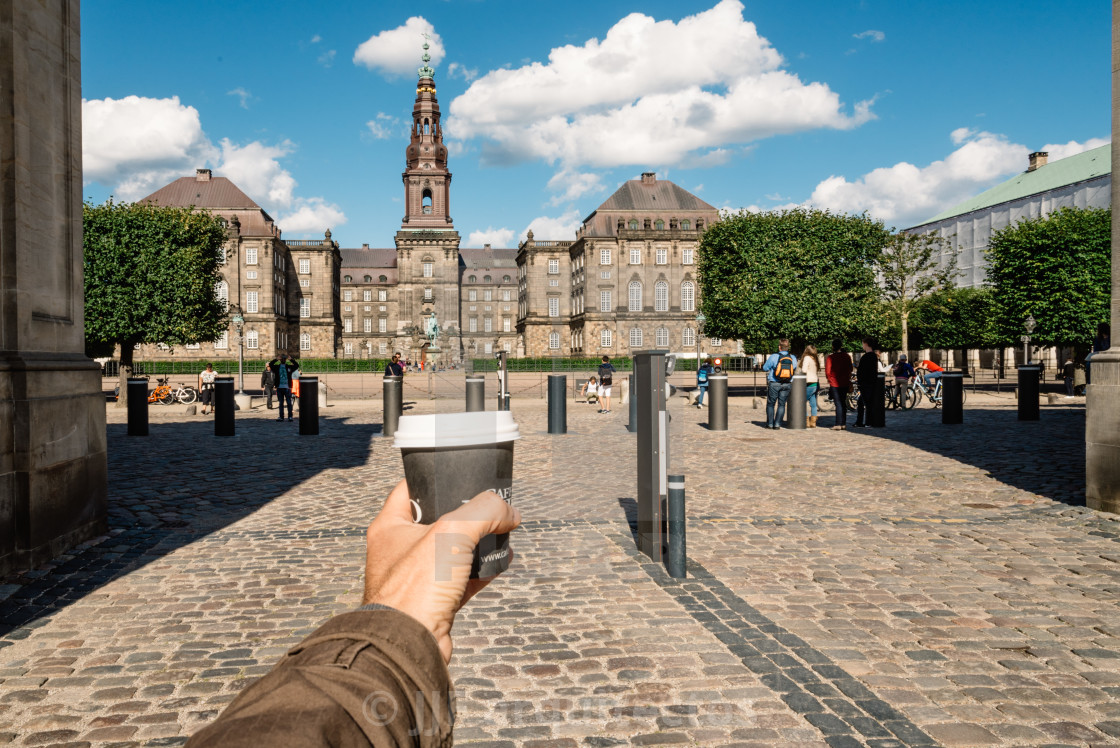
798,398
952,397
391,405
877,406
476,393
1028,392
137,393
557,404
676,562
308,406
717,403
223,406
632,427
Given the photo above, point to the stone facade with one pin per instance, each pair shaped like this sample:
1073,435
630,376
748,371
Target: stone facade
52,412
545,304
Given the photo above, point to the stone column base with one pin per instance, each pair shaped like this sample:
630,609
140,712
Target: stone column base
1102,433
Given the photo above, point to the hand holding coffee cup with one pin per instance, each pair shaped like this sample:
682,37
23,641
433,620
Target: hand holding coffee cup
424,570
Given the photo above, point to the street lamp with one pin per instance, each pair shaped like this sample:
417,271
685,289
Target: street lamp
700,320
239,325
1029,325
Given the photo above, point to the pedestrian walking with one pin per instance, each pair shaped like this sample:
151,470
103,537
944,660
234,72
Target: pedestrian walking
282,380
779,368
838,371
811,366
606,378
866,374
206,387
703,371
394,368
1068,370
903,374
267,387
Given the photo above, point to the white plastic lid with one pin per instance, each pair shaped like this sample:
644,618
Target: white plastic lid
455,430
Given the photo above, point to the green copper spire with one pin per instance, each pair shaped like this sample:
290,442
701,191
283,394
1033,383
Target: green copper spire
426,70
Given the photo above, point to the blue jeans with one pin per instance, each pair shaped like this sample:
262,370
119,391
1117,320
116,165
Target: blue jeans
284,395
776,393
703,391
840,401
811,393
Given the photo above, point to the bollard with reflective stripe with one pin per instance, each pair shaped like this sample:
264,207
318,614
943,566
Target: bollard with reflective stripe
557,404
877,406
717,402
795,408
676,562
476,393
223,406
632,427
1028,392
391,405
137,393
952,397
308,406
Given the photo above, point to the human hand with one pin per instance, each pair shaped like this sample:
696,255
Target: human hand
424,570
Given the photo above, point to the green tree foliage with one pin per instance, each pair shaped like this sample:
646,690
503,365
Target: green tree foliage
909,268
1056,269
150,274
802,273
954,318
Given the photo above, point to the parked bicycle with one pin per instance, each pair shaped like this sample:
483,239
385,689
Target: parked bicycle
166,393
920,386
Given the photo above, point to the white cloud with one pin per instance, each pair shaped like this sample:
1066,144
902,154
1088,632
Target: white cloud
316,39
383,126
459,70
872,34
242,95
327,58
311,216
255,168
555,228
570,186
1072,148
492,236
904,194
623,100
397,51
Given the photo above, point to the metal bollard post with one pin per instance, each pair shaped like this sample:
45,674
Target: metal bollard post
795,408
877,406
952,397
308,406
557,404
137,393
223,406
476,393
390,405
676,562
1028,392
632,427
717,403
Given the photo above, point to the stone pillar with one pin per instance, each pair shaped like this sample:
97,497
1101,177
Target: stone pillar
1102,405
52,412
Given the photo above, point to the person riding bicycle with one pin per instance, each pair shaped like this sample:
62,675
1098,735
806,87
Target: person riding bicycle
929,371
903,373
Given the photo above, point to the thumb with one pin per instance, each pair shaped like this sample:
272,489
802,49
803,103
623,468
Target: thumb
398,505
483,515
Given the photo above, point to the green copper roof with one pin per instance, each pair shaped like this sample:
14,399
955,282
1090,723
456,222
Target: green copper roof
1070,170
426,70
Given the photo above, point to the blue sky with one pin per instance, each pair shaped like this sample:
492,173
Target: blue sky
898,108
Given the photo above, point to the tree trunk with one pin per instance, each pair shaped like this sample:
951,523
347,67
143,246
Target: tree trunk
964,361
906,333
127,349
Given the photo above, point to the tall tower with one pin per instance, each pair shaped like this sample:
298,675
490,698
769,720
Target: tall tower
427,242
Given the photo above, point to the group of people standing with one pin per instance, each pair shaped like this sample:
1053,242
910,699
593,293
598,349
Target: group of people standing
280,379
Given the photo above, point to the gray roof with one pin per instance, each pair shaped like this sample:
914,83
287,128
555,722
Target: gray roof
369,258
216,193
659,195
485,259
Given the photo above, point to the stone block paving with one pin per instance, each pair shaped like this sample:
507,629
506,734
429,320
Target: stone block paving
919,585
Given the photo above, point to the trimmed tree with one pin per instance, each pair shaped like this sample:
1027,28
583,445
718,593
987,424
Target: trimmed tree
805,274
1056,269
150,277
909,268
958,318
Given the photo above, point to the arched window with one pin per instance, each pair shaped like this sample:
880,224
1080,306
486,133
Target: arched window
505,279
221,290
633,225
486,279
427,127
661,296
426,201
685,225
346,279
472,279
660,225
688,297
382,279
635,337
635,296
305,341
662,337
688,337
368,279
554,341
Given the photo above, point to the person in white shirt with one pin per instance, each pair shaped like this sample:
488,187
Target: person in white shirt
810,364
590,390
206,387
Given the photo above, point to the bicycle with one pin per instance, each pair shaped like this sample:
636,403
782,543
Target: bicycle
185,394
921,387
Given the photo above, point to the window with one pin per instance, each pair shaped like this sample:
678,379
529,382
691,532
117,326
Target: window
347,295
305,341
367,325
506,324
382,279
472,279
250,255
488,324
554,307
382,295
660,225
305,307
635,296
685,225
604,301
636,337
382,348
604,257
554,341
251,275
426,200
304,267
554,282
605,274
688,337
507,347
488,295
662,337
251,305
688,297
487,279
636,255
505,294
367,308
347,278
222,292
605,339
348,325
368,279
716,342
661,296
472,324
382,325
686,256
662,256
427,270
348,348
367,295
505,279
553,267
472,295
304,283
633,225
222,341
427,294
488,348
252,340
193,346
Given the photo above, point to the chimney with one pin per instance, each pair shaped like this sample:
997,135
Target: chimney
1037,159
365,246
202,175
486,246
648,177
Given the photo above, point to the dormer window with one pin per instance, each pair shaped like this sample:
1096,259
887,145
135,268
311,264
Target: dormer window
685,225
347,279
633,225
368,279
660,225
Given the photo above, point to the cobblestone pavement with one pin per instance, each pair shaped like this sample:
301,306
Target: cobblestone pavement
918,585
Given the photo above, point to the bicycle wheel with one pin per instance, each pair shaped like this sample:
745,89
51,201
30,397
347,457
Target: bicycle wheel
964,395
824,402
912,398
167,397
188,395
853,400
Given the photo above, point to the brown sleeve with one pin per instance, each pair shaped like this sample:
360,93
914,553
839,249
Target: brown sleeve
363,678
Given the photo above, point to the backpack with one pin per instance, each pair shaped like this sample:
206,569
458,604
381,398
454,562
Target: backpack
783,370
605,375
702,375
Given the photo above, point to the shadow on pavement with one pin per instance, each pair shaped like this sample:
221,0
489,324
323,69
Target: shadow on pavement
176,485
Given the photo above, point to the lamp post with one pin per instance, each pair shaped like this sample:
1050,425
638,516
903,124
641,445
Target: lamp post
700,320
239,325
1029,325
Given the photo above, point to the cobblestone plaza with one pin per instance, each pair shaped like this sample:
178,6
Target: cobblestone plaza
918,585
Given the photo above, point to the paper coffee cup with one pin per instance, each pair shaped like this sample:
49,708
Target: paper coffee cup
449,458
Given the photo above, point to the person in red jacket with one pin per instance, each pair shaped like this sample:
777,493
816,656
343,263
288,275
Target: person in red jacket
838,371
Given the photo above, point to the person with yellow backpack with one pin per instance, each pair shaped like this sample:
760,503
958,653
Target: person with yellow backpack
779,368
